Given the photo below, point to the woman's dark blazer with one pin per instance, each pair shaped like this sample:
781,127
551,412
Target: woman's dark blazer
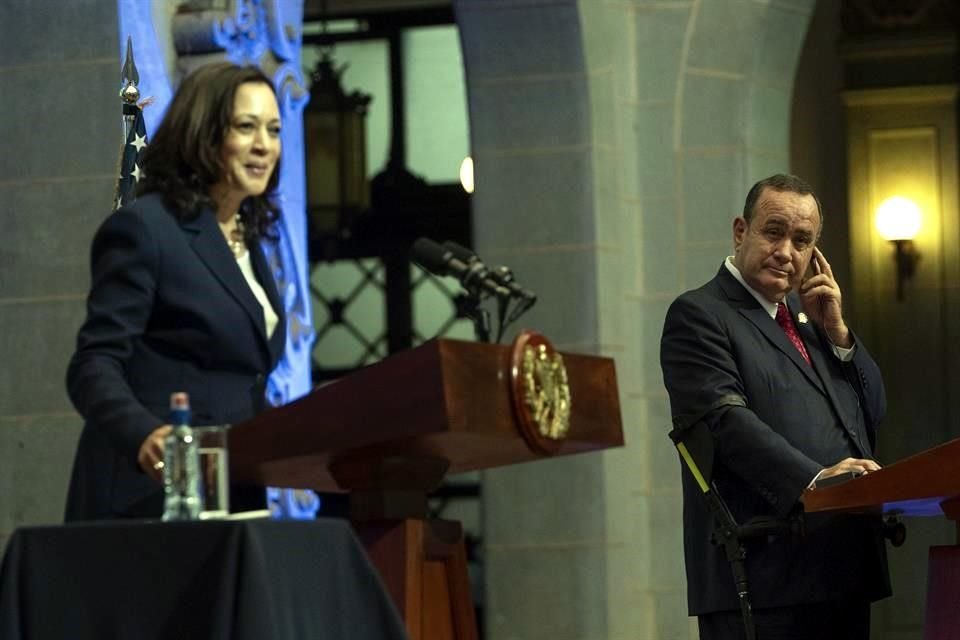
169,310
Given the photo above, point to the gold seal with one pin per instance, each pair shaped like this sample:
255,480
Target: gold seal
541,392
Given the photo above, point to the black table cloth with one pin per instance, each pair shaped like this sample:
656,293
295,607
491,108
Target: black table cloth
211,580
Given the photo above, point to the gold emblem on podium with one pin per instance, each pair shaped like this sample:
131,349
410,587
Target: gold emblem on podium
541,393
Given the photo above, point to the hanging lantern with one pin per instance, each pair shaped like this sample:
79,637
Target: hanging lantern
335,145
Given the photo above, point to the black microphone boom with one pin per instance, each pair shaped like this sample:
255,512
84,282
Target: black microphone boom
440,260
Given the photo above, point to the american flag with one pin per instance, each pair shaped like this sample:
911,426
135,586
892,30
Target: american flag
130,159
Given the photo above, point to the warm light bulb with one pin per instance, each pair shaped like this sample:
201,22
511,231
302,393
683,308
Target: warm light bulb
898,218
466,174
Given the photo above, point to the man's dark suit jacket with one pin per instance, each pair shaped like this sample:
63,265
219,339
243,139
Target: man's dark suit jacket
718,341
169,310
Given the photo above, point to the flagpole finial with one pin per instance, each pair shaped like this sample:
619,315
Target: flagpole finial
129,77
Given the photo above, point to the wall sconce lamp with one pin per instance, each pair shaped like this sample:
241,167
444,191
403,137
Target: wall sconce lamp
898,221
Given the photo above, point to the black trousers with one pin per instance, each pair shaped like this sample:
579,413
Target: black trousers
818,621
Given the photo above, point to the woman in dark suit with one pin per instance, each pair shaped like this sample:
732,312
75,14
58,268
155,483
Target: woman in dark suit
181,297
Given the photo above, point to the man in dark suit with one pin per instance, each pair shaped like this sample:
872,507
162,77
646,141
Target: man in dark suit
761,356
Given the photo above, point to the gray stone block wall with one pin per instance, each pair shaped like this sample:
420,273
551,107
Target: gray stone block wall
59,77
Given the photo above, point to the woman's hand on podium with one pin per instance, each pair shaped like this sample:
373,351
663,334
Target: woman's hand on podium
150,456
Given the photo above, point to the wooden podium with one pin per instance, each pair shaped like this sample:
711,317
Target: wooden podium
926,484
389,433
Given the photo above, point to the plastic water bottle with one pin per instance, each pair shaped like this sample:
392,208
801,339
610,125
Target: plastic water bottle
181,477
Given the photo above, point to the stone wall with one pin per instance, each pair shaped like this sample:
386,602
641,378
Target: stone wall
61,133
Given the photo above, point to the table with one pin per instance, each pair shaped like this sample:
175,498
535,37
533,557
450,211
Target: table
238,580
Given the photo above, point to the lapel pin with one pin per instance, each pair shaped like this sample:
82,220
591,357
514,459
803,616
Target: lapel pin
802,317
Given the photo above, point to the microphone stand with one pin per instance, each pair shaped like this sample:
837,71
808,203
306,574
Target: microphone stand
502,322
468,306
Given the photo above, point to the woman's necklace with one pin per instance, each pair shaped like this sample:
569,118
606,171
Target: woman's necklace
235,238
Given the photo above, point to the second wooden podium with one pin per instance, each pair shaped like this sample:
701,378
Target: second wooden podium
389,433
925,484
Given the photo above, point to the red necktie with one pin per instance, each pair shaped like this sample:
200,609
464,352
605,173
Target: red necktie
786,323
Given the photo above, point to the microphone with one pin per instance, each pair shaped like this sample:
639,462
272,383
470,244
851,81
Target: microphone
442,261
501,275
